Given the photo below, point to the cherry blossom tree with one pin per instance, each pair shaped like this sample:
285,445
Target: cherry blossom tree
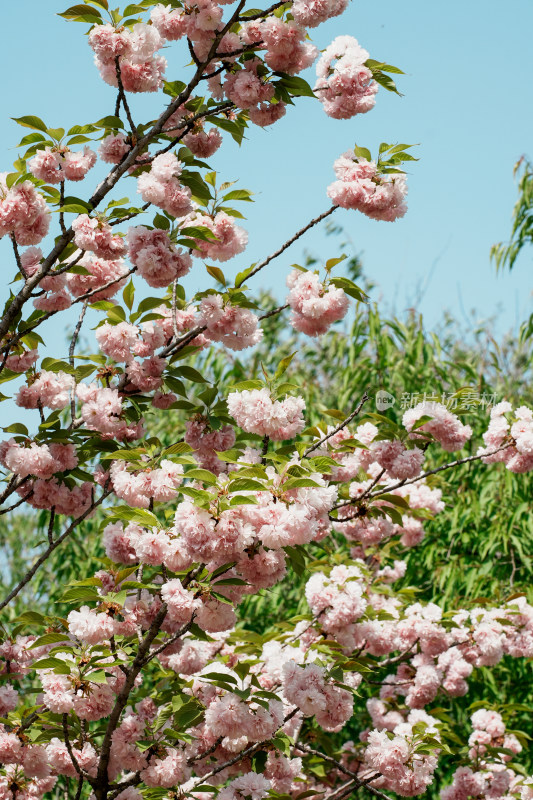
153,685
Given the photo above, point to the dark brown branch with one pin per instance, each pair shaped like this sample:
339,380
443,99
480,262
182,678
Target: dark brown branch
122,95
17,256
61,204
51,524
101,783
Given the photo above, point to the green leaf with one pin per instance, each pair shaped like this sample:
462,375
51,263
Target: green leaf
179,447
82,13
138,515
202,475
191,374
216,273
73,208
128,295
49,638
59,666
76,594
161,222
30,618
17,427
283,365
199,232
109,122
31,122
79,139
362,152
245,485
297,86
238,194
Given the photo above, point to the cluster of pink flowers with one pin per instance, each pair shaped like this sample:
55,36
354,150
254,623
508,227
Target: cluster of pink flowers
114,148
314,307
22,361
235,327
96,235
39,460
396,459
23,212
239,722
161,186
54,295
138,488
54,165
345,86
250,786
246,88
490,778
403,768
101,411
230,239
361,187
313,12
200,142
207,442
309,690
48,390
124,341
141,69
158,261
255,412
338,599
444,426
285,42
198,22
102,278
509,442
73,501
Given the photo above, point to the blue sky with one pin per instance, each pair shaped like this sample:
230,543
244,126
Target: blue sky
467,102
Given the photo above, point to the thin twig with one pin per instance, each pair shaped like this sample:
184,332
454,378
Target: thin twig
17,255
68,745
71,350
51,547
274,311
127,217
287,244
439,469
342,425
